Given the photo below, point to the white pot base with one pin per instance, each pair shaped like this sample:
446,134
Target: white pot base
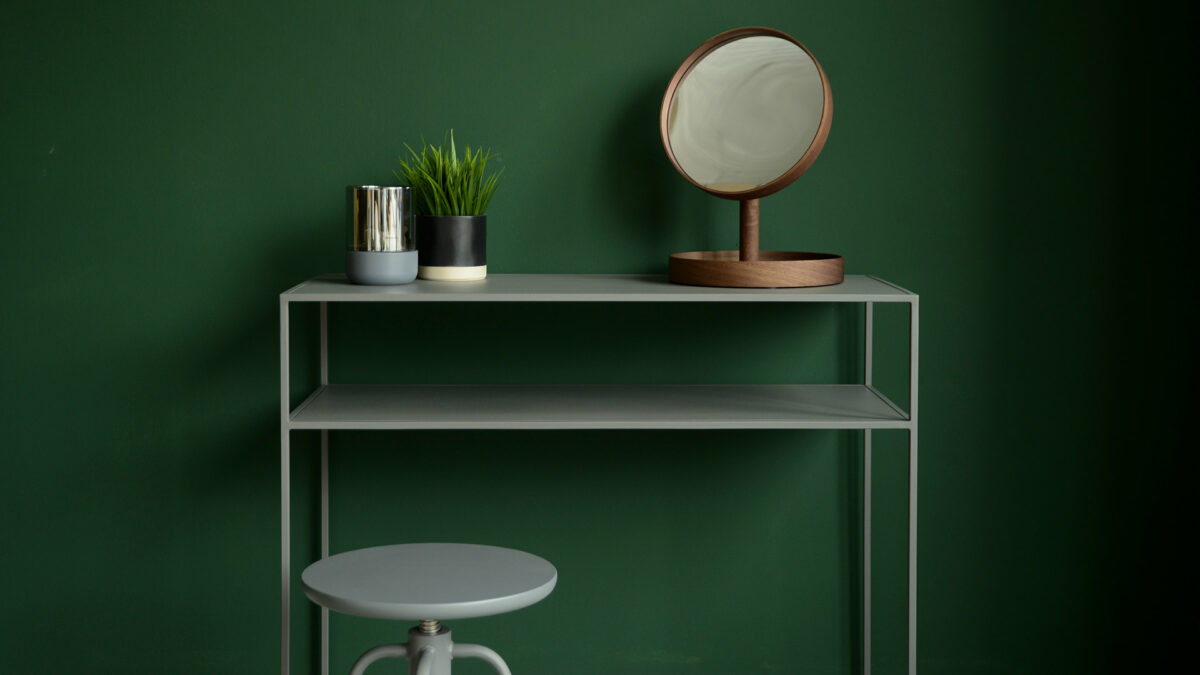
450,273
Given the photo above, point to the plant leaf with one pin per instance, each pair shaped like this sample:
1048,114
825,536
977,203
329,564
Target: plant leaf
445,183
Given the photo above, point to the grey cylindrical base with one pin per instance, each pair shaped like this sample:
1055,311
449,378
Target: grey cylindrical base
381,268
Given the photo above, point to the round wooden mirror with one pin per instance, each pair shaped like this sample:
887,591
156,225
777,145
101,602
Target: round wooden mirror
745,115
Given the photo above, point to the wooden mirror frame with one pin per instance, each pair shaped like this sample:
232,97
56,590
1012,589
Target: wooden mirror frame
748,267
806,160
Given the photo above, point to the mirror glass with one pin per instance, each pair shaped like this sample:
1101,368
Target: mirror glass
746,114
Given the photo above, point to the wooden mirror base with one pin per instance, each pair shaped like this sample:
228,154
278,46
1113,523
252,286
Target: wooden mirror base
773,269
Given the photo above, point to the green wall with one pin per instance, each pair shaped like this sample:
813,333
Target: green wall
169,168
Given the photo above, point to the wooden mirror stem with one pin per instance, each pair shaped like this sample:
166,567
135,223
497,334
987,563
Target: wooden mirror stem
748,239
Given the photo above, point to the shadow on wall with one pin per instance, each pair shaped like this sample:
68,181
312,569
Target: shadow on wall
653,205
633,519
232,469
171,478
1062,206
248,342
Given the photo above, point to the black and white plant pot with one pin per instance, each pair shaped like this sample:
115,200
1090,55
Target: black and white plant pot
452,248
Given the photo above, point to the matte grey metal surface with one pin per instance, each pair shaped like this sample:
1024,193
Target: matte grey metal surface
468,651
375,654
379,218
285,483
430,654
323,344
868,375
866,408
324,544
868,342
588,288
753,406
429,581
883,397
866,575
914,339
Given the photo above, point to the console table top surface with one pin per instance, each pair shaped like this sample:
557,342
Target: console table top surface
587,288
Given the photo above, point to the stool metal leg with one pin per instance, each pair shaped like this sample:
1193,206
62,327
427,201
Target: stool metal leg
467,651
373,655
429,652
424,661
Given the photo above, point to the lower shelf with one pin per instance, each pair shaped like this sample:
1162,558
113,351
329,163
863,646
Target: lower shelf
755,406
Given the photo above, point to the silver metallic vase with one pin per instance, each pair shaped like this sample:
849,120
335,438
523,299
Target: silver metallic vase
381,245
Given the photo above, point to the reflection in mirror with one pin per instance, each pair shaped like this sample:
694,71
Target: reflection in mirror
746,113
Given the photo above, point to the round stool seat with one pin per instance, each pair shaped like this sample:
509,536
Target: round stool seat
429,581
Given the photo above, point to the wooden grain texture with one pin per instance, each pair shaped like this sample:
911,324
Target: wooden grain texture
773,269
748,230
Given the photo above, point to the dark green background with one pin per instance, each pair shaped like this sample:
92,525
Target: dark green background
169,168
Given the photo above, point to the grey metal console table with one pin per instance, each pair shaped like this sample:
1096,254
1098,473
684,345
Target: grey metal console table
741,406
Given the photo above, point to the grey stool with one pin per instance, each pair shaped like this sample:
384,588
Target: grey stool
429,583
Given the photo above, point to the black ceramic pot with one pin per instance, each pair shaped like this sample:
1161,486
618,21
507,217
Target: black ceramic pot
452,248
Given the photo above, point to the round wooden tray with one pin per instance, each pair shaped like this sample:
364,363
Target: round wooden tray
773,269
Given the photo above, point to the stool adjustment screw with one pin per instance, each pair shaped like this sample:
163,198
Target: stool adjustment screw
430,626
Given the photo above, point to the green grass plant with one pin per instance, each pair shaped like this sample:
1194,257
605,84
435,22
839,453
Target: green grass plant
446,184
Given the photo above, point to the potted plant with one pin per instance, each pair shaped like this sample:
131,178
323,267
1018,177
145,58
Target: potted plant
451,195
